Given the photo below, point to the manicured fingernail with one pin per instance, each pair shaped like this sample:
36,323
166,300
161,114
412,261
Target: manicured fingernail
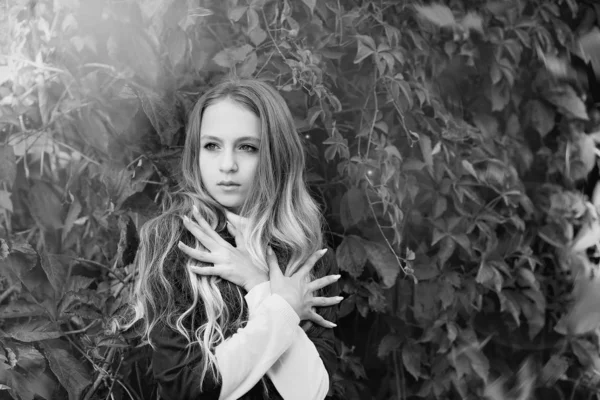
339,298
323,251
186,218
269,251
195,209
332,324
180,245
336,277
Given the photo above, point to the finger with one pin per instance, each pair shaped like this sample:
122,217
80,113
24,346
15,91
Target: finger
322,282
199,233
235,219
207,229
206,271
326,301
274,271
233,231
198,254
317,319
312,260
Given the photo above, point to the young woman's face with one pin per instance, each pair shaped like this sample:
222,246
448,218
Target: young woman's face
229,142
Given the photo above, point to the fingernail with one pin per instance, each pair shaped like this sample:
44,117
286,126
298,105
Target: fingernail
180,245
194,208
336,277
332,324
339,298
269,251
186,218
323,251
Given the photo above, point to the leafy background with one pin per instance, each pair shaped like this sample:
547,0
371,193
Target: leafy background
451,145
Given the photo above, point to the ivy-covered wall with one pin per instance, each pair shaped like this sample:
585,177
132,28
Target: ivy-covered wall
451,145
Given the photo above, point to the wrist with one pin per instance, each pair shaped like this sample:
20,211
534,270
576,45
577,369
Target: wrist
254,282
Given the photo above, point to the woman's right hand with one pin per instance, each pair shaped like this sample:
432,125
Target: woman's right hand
298,291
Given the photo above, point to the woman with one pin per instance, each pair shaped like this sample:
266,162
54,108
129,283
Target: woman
231,330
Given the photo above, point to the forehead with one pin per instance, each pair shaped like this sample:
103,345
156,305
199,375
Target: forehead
229,120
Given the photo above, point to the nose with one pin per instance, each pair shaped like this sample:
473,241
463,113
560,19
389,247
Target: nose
228,162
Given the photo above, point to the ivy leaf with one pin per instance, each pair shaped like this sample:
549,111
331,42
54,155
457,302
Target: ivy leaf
45,206
568,102
71,373
437,14
249,65
78,282
71,217
389,343
33,331
176,44
128,241
366,47
411,358
257,36
118,184
236,13
353,207
56,268
21,265
310,4
163,114
8,165
20,309
489,277
230,56
337,144
555,369
472,21
30,360
384,261
351,255
540,117
5,201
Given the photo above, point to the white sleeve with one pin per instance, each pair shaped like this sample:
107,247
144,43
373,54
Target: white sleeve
299,373
246,356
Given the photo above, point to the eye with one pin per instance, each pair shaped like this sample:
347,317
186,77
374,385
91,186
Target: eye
248,148
209,146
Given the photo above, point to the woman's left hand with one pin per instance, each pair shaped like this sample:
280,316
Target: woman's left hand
230,263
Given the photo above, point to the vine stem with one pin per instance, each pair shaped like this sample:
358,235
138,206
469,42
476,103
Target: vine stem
104,267
398,258
8,292
112,384
270,35
101,374
85,328
399,386
374,113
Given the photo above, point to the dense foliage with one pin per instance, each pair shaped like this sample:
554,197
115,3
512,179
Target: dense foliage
451,148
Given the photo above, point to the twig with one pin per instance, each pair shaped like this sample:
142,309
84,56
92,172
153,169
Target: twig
85,328
398,258
374,115
97,264
271,36
399,391
8,292
102,373
112,384
124,386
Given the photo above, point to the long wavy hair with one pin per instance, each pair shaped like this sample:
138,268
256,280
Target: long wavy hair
280,213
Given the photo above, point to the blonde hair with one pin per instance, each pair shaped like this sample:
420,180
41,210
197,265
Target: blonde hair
280,213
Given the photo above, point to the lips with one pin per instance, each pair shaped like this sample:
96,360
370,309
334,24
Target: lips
228,184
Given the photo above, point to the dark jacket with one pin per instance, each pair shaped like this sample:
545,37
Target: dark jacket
176,367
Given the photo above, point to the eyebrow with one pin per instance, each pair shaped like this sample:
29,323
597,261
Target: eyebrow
243,138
